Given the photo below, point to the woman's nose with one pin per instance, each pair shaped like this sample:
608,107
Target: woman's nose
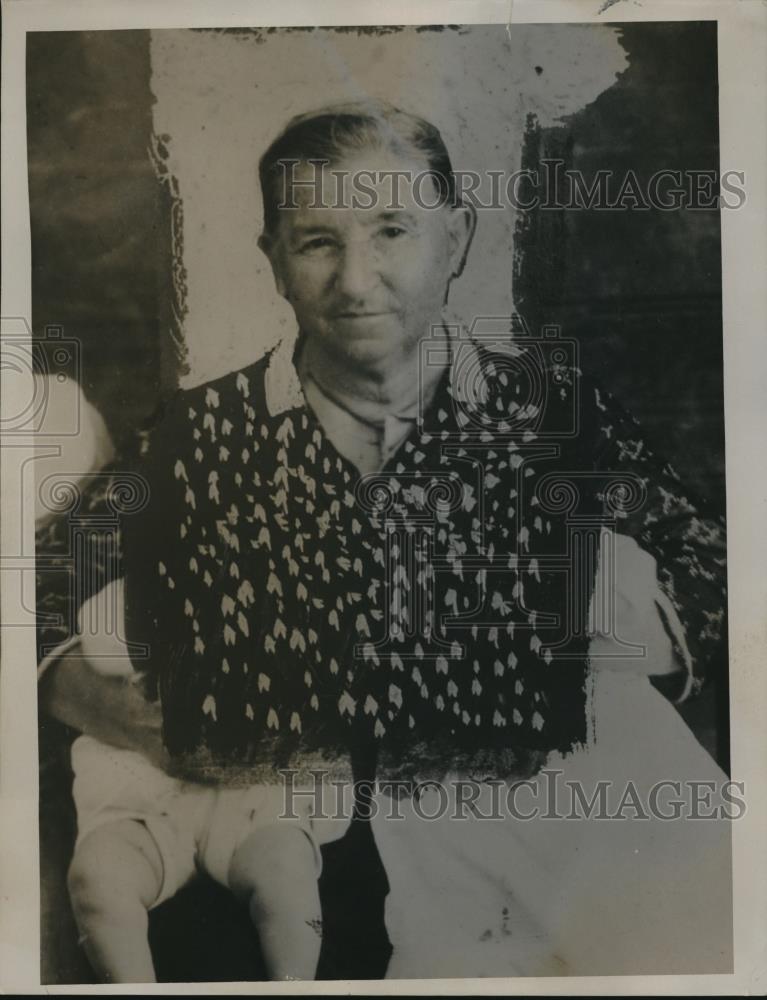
358,270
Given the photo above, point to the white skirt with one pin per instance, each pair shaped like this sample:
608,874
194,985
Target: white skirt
479,896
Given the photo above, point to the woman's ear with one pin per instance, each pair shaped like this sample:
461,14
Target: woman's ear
461,226
268,246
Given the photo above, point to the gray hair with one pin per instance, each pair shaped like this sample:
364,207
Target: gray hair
330,133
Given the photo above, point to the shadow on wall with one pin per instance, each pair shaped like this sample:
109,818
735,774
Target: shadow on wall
101,235
640,290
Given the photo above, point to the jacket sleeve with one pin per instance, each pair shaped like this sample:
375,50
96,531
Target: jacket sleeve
149,537
686,538
174,562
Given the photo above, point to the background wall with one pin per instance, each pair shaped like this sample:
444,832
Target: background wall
101,233
641,291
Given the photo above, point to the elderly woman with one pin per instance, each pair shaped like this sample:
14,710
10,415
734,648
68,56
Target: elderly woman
377,547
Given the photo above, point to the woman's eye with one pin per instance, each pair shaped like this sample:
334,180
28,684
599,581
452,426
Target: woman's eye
318,243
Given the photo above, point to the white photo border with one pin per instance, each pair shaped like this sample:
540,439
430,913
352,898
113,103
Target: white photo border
742,45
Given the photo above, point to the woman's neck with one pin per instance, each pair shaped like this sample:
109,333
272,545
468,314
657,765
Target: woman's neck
372,393
389,389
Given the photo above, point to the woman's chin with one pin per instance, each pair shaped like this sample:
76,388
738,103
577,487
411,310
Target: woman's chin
368,344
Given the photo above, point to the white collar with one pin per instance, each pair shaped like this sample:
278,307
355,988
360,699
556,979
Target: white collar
281,382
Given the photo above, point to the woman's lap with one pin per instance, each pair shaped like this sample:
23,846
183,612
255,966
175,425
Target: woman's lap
554,896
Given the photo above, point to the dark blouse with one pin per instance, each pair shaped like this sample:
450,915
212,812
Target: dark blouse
435,612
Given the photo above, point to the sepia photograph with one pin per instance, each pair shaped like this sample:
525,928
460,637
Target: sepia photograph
379,501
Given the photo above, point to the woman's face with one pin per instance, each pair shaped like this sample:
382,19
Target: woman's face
367,278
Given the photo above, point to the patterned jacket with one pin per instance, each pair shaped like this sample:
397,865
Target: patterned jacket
435,611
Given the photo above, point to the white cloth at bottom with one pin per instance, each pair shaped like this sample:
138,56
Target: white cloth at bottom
538,897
